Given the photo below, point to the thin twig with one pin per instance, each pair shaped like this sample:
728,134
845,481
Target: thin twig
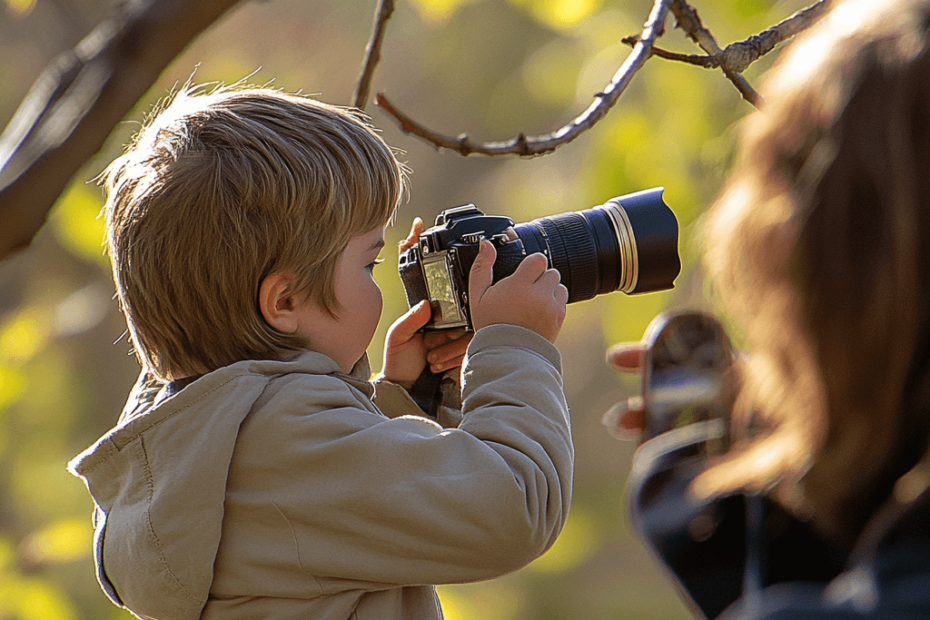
739,55
700,60
690,22
80,97
526,146
373,53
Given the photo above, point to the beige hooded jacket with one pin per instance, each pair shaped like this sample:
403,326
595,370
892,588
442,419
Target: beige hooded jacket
271,489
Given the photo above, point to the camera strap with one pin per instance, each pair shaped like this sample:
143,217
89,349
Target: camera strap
426,392
439,396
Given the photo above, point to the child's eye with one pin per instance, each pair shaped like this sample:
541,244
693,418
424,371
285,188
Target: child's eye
371,266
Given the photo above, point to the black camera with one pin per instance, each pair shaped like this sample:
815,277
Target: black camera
629,244
689,384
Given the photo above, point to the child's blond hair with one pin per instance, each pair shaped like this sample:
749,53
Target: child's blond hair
221,189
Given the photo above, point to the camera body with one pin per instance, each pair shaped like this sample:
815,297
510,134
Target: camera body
437,267
630,244
689,383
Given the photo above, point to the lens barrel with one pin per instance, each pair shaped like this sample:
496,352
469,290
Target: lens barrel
628,244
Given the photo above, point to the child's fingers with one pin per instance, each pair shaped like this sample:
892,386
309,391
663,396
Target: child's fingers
455,362
416,229
550,278
481,274
445,353
440,337
410,323
533,267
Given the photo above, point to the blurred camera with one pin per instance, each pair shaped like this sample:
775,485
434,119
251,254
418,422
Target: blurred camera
628,244
688,380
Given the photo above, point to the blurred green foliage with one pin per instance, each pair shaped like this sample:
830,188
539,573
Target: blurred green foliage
491,68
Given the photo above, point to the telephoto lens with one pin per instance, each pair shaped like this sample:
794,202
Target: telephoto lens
627,244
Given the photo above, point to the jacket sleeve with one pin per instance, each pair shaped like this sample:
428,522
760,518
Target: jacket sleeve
440,402
701,542
739,553
403,501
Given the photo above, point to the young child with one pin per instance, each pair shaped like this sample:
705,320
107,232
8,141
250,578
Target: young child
252,473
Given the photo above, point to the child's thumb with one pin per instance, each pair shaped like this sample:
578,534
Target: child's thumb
410,323
482,274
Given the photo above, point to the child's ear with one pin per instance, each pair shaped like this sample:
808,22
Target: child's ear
278,302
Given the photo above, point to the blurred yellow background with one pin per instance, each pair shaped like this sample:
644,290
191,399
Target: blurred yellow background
491,68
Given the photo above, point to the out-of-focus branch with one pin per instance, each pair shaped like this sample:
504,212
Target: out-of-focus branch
690,23
78,100
738,56
373,53
526,146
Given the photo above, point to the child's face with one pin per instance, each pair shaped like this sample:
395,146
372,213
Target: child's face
346,339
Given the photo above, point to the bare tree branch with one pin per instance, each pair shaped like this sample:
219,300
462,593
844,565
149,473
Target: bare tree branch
74,105
698,60
737,57
526,146
78,100
690,22
373,53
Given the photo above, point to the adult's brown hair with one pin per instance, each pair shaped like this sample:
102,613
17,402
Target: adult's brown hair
820,248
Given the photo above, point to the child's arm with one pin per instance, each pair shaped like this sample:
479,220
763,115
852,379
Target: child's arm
403,501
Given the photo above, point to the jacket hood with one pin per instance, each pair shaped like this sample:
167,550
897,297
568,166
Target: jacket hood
169,455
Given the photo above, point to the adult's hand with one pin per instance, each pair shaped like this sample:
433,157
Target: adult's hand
626,420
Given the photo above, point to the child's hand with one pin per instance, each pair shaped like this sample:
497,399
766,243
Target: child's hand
416,229
530,297
407,350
